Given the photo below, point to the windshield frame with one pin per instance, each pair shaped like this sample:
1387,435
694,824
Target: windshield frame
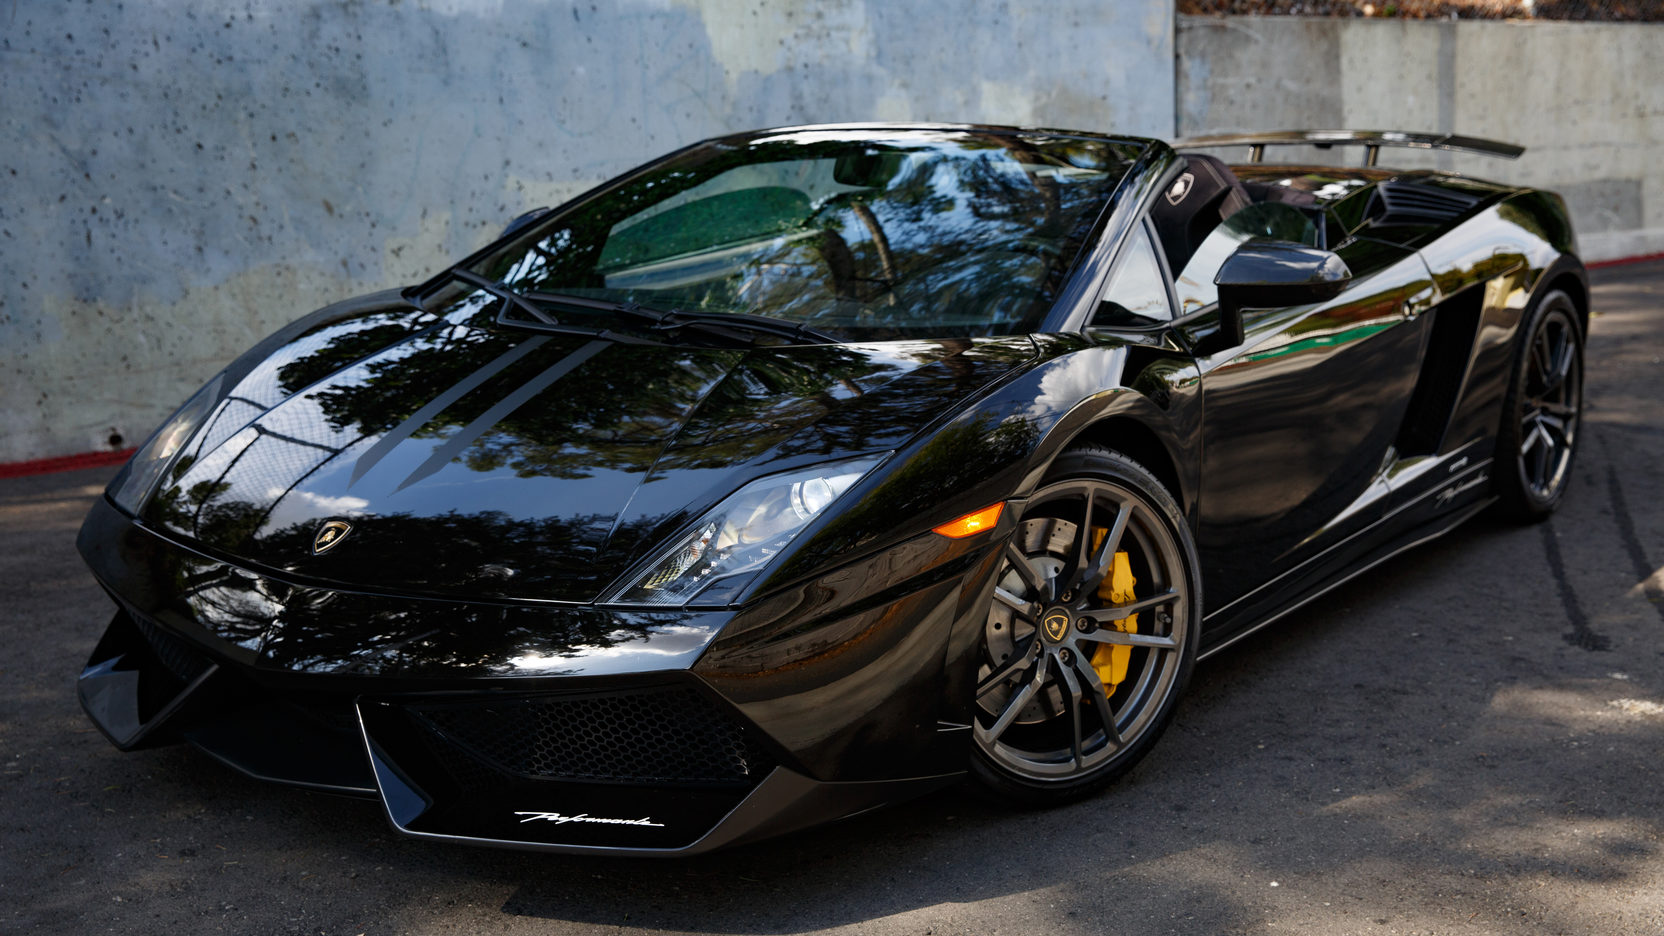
1079,247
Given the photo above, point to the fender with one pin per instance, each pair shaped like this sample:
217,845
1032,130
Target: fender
1149,407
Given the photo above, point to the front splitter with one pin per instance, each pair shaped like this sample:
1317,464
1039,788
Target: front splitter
624,820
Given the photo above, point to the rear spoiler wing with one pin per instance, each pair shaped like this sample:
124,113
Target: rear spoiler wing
1371,140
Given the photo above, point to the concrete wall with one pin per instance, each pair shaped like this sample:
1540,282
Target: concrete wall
1585,99
178,179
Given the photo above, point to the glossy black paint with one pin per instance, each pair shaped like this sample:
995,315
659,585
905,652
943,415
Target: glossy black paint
548,464
1298,420
498,480
1273,275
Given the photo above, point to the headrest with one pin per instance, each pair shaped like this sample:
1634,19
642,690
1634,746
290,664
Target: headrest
1205,193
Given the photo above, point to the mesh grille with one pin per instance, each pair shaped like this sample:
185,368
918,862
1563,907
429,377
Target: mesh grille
177,656
659,736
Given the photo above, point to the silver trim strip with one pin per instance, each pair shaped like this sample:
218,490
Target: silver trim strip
1456,520
454,445
439,404
1420,471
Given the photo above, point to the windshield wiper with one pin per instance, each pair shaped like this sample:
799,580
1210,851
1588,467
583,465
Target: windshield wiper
732,325
509,296
541,319
737,327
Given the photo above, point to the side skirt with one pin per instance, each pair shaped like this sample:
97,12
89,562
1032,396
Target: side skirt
1471,489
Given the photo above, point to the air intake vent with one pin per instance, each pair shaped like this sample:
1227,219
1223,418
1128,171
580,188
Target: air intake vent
1415,203
664,736
179,657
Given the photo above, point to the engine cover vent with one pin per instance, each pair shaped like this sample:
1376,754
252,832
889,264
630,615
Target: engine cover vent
1416,203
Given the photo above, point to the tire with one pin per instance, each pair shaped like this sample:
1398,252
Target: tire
1541,412
1042,697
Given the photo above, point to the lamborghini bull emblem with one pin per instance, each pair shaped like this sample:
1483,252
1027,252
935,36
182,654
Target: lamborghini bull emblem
1180,188
331,533
1056,625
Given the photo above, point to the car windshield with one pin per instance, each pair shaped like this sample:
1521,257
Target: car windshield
862,235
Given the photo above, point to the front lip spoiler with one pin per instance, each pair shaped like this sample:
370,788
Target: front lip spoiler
783,802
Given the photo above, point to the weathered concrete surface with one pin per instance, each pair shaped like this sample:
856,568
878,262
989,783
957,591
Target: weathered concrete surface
1585,99
1434,748
179,178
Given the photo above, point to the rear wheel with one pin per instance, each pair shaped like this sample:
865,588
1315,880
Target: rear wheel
1091,633
1540,415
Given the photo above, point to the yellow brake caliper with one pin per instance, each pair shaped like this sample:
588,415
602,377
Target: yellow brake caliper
1109,660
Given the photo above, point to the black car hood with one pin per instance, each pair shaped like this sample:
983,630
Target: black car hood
491,462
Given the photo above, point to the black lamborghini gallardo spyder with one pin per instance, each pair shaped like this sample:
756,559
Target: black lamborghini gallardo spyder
804,470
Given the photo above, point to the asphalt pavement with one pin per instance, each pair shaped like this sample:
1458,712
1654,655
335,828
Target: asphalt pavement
1466,740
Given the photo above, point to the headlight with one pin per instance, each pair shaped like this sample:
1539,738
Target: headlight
134,484
734,540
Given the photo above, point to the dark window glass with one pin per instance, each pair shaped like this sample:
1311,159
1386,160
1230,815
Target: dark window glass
860,235
1137,294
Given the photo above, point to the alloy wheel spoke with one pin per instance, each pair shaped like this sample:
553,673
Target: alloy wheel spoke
1532,438
1073,685
1553,425
1560,365
1540,463
1019,565
1539,359
1562,410
1120,639
1018,606
1016,664
1121,612
1071,575
1100,698
1092,573
1015,706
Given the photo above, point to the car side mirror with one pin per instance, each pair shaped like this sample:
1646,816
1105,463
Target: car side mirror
1271,275
524,221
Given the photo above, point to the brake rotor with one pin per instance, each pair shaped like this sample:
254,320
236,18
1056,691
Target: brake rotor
1046,542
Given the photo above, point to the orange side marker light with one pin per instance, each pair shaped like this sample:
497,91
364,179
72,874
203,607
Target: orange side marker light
972,523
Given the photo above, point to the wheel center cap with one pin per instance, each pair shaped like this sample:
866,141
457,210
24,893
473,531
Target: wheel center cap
1055,624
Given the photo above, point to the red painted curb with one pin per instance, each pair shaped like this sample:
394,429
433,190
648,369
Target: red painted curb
1624,260
63,463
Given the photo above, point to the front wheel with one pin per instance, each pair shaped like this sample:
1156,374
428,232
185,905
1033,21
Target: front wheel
1090,635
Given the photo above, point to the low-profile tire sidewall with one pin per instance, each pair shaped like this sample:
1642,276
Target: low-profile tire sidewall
1103,464
1515,500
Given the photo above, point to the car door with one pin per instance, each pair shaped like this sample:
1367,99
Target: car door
1299,418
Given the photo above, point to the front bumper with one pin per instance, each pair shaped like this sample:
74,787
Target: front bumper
562,729
679,776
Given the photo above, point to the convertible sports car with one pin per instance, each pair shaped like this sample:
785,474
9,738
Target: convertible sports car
804,470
